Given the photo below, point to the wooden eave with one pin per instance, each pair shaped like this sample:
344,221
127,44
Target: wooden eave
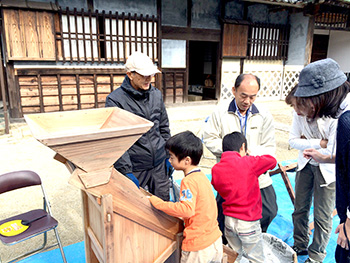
280,3
25,4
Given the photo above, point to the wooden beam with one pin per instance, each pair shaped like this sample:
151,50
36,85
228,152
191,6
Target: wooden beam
65,71
198,34
287,167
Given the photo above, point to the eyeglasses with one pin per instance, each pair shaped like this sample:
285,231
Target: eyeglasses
145,77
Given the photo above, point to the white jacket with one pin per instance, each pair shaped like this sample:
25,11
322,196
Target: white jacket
327,128
260,132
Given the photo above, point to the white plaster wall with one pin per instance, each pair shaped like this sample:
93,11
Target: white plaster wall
339,49
297,39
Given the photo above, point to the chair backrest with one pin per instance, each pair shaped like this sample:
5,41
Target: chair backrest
18,179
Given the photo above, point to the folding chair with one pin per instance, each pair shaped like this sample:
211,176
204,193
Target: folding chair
24,226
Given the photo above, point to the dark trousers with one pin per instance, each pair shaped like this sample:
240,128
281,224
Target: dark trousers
269,210
155,180
342,255
269,207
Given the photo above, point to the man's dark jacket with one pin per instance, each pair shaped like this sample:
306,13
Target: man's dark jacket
149,151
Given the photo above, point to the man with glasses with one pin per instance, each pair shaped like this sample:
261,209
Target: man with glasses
144,162
256,124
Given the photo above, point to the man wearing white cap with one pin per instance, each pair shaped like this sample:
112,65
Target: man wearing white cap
144,162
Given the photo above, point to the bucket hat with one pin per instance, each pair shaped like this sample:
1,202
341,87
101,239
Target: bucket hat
141,63
319,77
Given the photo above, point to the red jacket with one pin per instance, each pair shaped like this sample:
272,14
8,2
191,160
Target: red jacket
236,180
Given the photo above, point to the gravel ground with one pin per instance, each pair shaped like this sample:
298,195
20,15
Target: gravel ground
19,150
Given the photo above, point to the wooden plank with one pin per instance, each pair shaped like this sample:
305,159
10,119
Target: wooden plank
14,39
46,39
96,246
235,39
287,168
88,249
287,183
108,233
94,178
30,33
167,253
231,254
197,34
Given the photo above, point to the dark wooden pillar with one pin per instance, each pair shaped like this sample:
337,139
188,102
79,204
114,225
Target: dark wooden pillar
13,92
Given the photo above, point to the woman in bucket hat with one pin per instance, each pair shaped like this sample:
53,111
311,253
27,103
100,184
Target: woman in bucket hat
326,93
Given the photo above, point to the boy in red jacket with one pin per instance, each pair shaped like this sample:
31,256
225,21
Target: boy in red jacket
202,236
235,178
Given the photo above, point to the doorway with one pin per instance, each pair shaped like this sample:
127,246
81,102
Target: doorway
319,47
202,69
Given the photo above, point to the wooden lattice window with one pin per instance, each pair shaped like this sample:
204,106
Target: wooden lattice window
334,20
106,37
256,41
268,42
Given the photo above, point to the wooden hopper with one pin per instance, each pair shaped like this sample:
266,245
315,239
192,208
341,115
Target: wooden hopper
91,139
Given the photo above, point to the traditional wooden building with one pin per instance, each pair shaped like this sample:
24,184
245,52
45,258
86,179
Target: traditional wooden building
67,55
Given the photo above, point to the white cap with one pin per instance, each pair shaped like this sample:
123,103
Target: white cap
141,63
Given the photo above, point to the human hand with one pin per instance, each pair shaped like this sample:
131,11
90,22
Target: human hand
342,240
323,143
316,155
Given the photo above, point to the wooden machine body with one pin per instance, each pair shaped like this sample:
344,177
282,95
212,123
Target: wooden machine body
120,225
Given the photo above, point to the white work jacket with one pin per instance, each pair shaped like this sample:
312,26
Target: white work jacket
260,132
327,127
